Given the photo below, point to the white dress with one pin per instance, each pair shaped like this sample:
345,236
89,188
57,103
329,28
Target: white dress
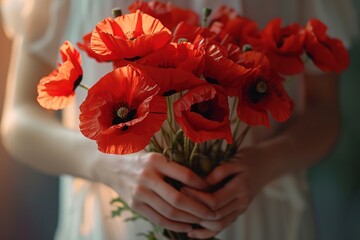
282,211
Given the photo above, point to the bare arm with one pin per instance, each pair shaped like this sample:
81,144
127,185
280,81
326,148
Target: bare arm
33,135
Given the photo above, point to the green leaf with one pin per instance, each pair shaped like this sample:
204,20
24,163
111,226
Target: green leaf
149,235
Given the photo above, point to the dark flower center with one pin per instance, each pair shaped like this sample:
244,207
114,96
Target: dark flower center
281,40
203,108
261,87
133,59
209,109
169,93
257,91
123,113
132,35
212,80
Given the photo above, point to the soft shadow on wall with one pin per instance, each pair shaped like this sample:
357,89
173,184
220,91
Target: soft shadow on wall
28,199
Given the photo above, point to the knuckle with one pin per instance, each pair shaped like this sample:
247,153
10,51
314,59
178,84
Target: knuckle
144,176
188,176
137,192
169,212
172,213
134,205
176,199
214,203
150,159
218,175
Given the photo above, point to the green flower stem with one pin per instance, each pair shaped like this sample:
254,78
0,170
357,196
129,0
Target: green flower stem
191,160
156,144
205,146
170,118
165,152
172,235
210,148
233,107
242,136
165,138
84,86
176,141
218,152
186,150
236,130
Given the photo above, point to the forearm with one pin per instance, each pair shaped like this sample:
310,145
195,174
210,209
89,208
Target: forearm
33,135
47,145
303,144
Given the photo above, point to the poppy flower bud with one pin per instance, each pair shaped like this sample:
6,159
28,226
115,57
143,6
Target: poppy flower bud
116,12
247,47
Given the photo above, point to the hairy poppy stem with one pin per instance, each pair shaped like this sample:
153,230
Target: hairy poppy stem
84,86
233,108
191,160
156,144
243,135
186,149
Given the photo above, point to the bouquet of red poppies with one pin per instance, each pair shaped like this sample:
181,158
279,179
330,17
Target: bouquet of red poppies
186,90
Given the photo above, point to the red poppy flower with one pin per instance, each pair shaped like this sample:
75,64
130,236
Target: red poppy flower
85,46
156,9
222,15
203,114
122,111
167,13
57,90
240,31
284,47
190,33
171,80
235,53
223,71
328,54
262,92
184,15
183,56
130,37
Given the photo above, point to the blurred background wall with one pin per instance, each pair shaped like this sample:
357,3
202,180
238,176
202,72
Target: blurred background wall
28,200
335,182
